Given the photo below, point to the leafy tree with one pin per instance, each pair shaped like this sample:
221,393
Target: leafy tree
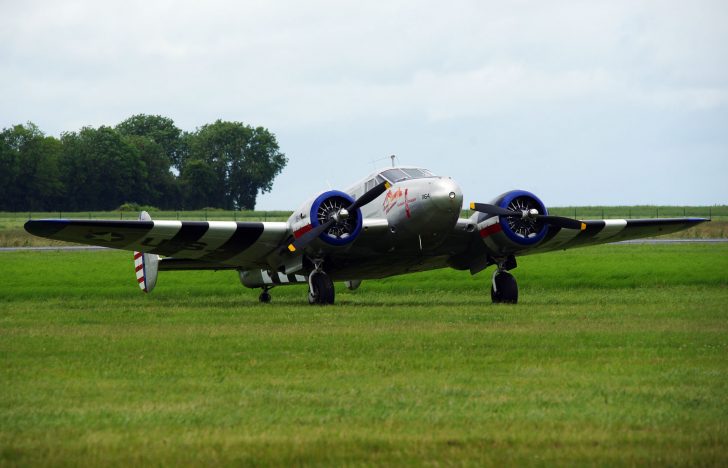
160,186
223,165
101,170
198,184
160,130
243,159
29,173
9,161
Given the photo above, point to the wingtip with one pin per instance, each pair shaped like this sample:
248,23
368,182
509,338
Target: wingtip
291,248
472,205
45,227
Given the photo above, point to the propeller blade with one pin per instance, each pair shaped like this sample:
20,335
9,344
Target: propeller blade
305,239
368,197
493,209
562,222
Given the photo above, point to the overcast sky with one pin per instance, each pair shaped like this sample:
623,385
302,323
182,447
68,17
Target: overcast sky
613,102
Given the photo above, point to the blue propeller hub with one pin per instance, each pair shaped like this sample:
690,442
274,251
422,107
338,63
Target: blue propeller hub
523,231
327,206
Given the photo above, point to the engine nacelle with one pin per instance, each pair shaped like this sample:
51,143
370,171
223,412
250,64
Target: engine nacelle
322,208
506,235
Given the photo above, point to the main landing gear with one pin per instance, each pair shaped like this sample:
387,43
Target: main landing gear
504,289
320,287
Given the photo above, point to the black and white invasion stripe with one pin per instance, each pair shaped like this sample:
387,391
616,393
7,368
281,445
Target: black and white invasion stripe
611,230
209,241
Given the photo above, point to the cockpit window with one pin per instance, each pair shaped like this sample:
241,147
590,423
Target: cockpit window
417,173
371,183
396,174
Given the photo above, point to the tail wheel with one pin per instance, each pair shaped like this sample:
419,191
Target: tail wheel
321,289
504,289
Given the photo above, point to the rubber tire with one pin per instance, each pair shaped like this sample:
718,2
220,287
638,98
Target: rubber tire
323,289
264,297
507,289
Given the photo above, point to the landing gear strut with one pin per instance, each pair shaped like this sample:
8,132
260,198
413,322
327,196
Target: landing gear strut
320,287
504,289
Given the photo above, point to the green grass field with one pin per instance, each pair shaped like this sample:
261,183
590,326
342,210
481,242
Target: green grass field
616,355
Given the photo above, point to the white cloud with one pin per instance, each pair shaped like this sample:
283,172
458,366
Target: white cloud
577,69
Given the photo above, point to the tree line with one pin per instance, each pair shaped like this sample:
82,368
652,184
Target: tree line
144,160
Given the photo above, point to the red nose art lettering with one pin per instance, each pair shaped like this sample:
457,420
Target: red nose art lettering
390,200
398,198
406,203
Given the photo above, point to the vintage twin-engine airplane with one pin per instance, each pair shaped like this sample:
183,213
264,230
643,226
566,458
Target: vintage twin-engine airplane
398,220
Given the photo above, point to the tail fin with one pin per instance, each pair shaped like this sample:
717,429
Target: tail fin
146,265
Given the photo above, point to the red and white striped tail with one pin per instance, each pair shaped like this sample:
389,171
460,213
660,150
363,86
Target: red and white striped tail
146,265
139,269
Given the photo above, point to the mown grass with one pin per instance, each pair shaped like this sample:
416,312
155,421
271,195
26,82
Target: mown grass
615,355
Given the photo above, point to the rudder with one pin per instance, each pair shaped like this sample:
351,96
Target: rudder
146,266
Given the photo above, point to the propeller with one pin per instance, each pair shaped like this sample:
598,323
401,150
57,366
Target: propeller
558,221
341,215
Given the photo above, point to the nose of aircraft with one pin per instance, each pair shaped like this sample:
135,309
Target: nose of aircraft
446,195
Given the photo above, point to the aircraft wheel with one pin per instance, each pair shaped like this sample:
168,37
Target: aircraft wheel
264,297
321,289
506,289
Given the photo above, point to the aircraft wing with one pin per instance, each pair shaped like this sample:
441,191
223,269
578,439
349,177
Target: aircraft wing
592,232
490,242
238,244
611,230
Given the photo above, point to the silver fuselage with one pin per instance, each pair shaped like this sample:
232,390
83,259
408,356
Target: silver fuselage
419,216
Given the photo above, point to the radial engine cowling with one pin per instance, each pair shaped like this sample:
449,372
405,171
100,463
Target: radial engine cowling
329,204
505,235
